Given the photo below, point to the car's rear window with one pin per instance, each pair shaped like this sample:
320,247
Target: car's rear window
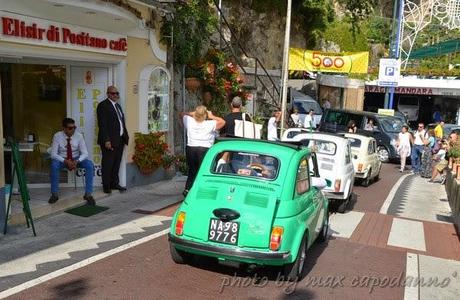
355,143
321,146
246,164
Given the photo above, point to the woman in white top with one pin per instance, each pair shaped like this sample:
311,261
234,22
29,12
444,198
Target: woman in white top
404,145
200,137
272,129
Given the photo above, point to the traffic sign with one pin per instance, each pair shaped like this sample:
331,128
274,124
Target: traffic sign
389,72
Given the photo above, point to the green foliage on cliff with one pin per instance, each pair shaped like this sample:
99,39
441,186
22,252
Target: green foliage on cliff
189,31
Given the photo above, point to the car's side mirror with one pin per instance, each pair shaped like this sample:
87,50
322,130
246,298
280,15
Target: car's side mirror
319,183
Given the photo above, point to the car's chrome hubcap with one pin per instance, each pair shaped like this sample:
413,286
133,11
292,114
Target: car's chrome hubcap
383,155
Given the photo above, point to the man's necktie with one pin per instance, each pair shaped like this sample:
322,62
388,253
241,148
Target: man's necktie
69,149
118,109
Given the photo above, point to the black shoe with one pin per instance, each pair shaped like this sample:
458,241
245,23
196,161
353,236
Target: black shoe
90,200
119,187
107,191
53,199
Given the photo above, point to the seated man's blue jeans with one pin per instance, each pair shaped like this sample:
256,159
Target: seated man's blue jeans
56,167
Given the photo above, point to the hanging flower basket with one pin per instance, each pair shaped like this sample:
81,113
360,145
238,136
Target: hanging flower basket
192,84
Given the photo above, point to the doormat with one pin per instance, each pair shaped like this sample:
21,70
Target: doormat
86,210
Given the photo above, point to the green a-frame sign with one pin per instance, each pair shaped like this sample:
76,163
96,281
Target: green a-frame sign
18,169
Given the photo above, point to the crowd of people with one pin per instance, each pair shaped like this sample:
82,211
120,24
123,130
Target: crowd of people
428,151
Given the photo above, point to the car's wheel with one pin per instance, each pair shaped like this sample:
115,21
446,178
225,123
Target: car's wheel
322,237
366,181
293,271
178,256
384,155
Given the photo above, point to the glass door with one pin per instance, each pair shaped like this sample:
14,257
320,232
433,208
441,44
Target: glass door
34,104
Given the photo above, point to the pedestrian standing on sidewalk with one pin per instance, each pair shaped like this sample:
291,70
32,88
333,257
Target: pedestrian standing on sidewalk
426,168
272,127
236,114
69,151
112,138
419,143
201,134
404,146
439,130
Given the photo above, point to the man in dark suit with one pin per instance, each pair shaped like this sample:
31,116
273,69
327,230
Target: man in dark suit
112,138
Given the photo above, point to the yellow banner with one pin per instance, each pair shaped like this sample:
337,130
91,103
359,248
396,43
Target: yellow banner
345,62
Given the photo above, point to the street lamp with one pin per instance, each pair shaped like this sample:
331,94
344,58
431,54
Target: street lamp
285,64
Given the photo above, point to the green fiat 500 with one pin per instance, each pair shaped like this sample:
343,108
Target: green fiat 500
253,202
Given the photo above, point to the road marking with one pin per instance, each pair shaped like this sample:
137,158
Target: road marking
81,264
407,234
29,262
411,291
439,278
391,195
343,225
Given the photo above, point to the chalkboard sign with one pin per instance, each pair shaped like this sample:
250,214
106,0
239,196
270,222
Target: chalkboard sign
18,170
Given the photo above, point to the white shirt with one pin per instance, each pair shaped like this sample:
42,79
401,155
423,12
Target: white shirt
295,118
77,143
418,137
117,111
404,140
308,121
272,133
200,134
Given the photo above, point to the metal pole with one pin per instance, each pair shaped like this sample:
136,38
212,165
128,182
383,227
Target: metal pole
285,64
220,23
397,50
392,45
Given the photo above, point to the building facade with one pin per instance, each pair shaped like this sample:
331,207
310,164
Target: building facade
57,58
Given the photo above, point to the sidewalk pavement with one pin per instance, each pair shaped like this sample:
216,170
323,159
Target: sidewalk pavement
61,227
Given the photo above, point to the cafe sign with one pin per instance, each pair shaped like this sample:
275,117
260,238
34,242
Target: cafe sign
33,31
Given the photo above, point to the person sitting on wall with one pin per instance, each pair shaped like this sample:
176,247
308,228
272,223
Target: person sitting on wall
69,151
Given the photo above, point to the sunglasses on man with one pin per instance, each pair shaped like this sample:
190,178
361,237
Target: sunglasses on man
114,93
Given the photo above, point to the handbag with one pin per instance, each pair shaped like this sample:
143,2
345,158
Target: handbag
247,129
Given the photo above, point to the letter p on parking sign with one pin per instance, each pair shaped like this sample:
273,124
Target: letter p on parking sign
389,72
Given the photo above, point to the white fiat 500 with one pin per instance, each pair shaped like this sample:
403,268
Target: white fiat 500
365,158
334,159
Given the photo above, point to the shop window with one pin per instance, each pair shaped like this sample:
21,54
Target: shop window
158,101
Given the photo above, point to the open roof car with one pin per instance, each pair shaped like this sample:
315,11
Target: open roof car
335,163
253,202
365,158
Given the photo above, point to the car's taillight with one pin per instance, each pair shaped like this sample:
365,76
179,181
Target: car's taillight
337,184
276,237
360,167
180,223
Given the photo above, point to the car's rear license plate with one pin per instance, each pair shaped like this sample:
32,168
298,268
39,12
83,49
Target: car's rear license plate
223,232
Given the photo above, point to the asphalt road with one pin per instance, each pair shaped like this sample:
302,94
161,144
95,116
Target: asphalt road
341,268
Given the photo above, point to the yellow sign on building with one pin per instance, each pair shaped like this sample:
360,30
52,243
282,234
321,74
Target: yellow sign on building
345,62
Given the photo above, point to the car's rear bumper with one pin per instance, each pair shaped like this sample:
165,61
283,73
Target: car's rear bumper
335,195
231,253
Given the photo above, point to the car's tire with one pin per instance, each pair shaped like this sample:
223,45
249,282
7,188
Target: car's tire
383,154
293,271
342,206
178,256
377,177
366,181
322,237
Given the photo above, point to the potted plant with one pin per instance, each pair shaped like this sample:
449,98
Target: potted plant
149,151
193,77
454,153
168,163
181,164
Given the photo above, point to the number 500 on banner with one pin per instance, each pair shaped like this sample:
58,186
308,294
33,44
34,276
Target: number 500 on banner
308,60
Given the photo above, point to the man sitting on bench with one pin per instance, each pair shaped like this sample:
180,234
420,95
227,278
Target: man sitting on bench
69,151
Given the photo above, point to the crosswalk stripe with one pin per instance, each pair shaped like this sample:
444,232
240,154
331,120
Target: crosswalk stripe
343,225
61,252
407,234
